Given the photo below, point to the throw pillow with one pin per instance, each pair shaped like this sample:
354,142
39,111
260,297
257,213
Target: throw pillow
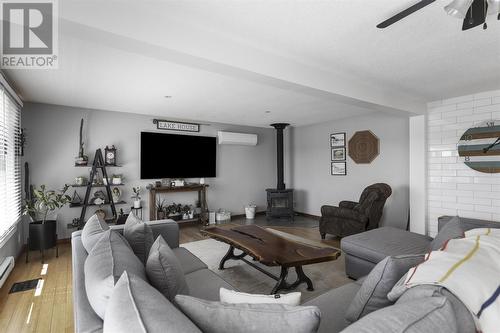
139,235
106,262
430,314
135,306
450,230
92,231
464,319
373,292
216,317
164,270
234,297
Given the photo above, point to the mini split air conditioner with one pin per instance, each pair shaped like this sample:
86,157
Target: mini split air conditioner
231,138
5,268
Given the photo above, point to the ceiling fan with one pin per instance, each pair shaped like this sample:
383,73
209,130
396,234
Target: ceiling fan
473,12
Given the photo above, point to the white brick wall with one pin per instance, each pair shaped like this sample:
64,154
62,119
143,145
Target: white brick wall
452,187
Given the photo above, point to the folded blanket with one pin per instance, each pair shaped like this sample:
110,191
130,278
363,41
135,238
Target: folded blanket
469,268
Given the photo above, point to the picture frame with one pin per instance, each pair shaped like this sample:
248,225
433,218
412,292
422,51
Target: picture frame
338,154
337,139
339,168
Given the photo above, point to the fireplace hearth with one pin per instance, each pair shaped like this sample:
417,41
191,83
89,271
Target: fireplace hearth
279,199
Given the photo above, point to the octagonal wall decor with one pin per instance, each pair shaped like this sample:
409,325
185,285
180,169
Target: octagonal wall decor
363,147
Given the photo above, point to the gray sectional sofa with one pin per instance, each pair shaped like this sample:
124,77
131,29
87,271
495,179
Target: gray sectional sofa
202,282
205,284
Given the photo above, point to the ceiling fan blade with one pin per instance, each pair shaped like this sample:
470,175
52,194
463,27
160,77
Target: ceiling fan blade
419,5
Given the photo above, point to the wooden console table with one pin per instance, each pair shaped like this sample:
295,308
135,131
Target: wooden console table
202,199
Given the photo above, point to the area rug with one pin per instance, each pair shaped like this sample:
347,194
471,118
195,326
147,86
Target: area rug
325,276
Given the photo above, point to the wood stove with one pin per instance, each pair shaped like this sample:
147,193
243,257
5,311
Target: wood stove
279,199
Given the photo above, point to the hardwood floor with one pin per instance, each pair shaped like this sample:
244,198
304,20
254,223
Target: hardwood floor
52,310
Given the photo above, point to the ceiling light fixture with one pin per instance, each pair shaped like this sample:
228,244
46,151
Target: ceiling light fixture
267,112
473,12
458,8
167,96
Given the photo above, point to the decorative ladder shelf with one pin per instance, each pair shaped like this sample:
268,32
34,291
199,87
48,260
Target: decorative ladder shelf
97,164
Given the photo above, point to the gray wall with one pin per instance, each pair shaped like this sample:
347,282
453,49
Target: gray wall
311,165
243,172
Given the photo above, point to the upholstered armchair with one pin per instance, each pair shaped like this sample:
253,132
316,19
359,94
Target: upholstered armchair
354,217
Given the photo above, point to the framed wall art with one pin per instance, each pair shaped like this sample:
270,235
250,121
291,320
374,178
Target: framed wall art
338,154
337,140
339,169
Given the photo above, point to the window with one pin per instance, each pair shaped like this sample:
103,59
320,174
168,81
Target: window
10,161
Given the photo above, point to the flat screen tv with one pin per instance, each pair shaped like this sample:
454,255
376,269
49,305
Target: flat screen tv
177,156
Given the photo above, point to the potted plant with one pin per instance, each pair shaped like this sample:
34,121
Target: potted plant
174,211
117,179
185,212
42,230
160,209
191,212
137,196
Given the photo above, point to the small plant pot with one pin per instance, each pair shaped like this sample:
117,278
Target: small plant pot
175,217
137,203
160,215
250,211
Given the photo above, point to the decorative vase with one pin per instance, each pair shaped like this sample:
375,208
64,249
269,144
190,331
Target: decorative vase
191,214
160,215
137,203
185,216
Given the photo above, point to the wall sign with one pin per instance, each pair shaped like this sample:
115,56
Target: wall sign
176,126
480,147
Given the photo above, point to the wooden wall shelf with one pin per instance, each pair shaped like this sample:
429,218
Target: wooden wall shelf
72,205
100,185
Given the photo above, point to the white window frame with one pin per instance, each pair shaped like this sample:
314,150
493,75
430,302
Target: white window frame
9,232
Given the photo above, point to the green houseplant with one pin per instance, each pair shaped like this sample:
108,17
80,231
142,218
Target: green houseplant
42,230
160,209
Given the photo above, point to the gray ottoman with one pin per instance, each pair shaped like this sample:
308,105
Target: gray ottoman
363,251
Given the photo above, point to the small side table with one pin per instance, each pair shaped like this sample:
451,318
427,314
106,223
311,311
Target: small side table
137,211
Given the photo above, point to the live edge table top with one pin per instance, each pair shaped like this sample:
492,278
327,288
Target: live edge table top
269,248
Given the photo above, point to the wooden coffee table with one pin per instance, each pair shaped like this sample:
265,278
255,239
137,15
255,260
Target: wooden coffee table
271,250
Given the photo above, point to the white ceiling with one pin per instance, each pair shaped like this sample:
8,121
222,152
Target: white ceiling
230,61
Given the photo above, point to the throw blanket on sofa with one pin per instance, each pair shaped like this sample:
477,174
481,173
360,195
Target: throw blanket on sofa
469,268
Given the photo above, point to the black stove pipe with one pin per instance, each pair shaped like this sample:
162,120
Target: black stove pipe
279,144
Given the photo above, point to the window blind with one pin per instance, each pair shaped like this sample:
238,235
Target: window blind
10,162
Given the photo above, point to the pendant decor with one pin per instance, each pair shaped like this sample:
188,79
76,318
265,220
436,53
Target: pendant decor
363,147
480,147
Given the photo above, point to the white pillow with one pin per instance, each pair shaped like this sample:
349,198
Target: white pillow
92,231
235,297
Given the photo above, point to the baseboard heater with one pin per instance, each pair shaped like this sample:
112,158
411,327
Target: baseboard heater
6,267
